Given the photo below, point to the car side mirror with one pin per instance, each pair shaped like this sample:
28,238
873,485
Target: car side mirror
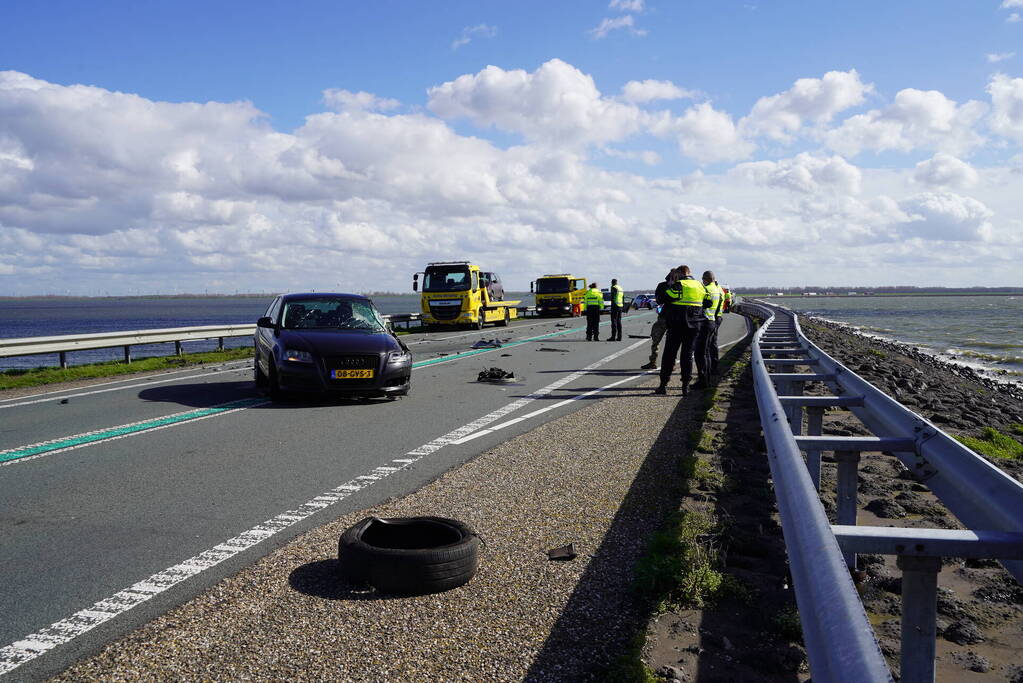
266,321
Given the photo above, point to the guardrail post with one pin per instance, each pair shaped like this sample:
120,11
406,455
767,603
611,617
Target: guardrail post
63,360
177,348
814,427
919,616
848,466
127,354
220,343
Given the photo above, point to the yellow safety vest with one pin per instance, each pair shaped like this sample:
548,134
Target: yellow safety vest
617,295
714,296
686,292
593,297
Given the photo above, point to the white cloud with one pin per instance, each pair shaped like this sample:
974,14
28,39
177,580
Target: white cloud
1013,18
638,92
917,119
343,100
1006,106
994,58
556,103
1011,3
628,5
470,32
945,170
816,100
704,134
946,216
626,22
804,173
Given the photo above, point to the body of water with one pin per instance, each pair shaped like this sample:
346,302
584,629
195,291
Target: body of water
46,317
984,332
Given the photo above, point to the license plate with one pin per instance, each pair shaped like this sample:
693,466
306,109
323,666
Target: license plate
351,374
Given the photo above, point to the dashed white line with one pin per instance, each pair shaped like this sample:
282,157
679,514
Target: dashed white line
34,645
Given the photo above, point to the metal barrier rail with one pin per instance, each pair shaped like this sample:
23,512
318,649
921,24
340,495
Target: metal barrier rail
64,344
838,637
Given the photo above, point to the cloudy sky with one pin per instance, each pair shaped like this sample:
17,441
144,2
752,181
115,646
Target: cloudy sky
248,146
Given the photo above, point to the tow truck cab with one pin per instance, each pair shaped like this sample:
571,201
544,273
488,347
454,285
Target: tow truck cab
559,294
459,293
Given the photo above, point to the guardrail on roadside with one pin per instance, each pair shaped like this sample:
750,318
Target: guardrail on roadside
65,344
839,640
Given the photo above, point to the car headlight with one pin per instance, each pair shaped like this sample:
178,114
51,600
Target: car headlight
399,358
296,356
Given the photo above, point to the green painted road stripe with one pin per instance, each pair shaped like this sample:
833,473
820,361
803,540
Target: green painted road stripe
463,354
124,430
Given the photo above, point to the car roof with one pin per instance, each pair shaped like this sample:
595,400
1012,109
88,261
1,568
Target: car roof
324,295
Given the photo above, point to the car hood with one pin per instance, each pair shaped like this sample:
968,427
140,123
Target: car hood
326,342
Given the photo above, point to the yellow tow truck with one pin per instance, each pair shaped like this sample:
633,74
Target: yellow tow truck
460,293
559,294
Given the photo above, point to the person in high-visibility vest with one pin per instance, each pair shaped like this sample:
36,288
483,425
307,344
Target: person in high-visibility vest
708,345
593,304
617,303
683,312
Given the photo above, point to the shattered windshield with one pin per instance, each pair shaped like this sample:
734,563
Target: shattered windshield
446,279
331,313
552,285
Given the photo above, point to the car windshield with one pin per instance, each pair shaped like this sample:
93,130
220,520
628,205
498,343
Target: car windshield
331,313
453,279
552,285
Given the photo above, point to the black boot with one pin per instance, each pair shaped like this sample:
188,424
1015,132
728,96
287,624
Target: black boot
661,390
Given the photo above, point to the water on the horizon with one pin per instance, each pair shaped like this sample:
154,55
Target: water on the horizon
47,317
984,332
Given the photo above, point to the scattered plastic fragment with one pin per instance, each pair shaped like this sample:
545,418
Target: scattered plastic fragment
547,348
505,355
487,344
63,401
565,552
495,375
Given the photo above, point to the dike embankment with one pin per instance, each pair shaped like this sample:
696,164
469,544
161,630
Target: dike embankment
681,568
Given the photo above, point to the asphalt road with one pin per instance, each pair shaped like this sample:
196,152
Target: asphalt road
123,499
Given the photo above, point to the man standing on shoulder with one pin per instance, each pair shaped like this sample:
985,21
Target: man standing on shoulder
593,304
683,313
713,310
659,326
617,303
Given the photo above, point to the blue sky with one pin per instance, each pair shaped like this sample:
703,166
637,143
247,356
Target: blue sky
735,140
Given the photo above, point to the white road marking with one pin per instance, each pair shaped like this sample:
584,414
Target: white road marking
53,396
34,645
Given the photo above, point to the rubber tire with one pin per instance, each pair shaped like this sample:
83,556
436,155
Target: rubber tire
478,325
273,385
258,376
507,317
409,571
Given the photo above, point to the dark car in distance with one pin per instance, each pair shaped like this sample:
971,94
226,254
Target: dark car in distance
329,343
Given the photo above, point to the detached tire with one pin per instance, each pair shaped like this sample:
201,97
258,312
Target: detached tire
410,556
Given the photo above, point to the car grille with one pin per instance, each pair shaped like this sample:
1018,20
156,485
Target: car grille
353,362
446,312
553,303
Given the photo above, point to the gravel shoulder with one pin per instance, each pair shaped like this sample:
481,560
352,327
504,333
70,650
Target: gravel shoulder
601,478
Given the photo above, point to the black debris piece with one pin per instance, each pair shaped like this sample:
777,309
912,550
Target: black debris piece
487,344
495,375
63,401
564,553
547,348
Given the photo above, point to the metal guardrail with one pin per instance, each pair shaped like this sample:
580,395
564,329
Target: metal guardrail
65,344
840,643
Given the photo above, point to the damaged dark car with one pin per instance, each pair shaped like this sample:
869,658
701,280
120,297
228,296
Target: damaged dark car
336,344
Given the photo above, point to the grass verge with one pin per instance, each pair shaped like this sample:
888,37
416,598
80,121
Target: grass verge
994,444
34,377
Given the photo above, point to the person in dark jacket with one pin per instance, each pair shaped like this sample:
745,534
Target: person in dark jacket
593,304
683,303
660,326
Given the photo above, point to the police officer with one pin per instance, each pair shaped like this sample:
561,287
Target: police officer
714,303
617,303
659,326
593,304
683,313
